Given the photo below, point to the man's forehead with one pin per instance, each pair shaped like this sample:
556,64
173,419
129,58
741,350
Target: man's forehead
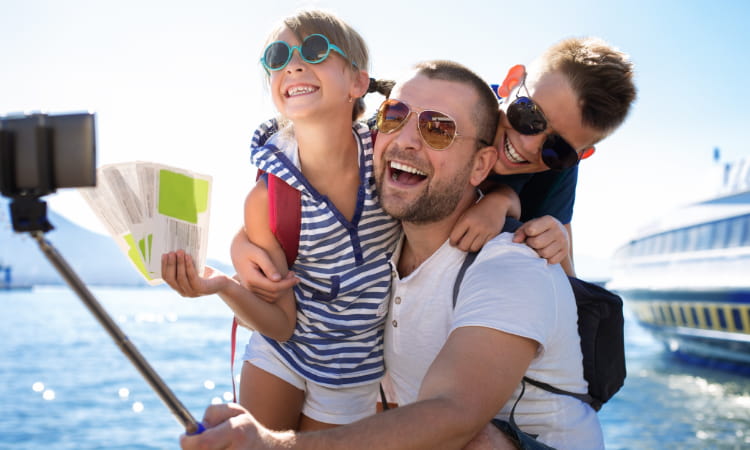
449,97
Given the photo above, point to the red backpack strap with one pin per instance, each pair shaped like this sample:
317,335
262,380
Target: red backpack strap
284,215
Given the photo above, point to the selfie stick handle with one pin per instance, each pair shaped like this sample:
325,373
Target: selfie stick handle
122,341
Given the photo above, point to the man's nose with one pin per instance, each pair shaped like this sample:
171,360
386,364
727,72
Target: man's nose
408,135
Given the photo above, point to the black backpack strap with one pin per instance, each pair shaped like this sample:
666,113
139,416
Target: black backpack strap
383,398
586,398
468,260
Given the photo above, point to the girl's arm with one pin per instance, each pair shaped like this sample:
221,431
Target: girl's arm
279,317
485,219
180,274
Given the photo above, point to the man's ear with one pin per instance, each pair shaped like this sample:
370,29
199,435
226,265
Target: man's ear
484,160
514,78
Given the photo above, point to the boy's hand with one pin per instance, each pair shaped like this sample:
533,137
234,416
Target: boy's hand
474,228
178,271
483,220
547,236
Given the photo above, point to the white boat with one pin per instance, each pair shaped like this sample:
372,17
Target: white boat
686,277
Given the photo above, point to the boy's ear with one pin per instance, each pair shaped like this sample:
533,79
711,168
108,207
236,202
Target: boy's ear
514,78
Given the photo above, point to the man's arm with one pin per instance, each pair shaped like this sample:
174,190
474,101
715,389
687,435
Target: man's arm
473,376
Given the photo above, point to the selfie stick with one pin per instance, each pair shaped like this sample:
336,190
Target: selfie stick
122,341
29,214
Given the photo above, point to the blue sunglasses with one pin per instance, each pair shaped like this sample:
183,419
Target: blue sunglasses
315,49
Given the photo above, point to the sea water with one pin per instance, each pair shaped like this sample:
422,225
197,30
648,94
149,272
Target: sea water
64,384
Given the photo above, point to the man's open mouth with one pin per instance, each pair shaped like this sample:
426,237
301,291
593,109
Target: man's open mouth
403,174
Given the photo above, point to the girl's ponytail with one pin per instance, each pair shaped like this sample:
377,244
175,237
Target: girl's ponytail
382,87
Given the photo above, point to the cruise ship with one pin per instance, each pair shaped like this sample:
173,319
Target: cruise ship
686,277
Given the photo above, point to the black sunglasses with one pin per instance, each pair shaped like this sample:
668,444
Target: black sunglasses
527,118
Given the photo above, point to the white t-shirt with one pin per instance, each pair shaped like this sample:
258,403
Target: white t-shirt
507,288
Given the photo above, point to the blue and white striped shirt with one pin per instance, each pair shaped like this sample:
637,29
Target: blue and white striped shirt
342,299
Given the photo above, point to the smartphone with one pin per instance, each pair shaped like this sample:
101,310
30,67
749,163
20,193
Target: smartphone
43,152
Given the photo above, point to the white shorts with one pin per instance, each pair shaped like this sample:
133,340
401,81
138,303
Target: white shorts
329,405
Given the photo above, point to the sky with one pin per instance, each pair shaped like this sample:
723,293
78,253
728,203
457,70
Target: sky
179,83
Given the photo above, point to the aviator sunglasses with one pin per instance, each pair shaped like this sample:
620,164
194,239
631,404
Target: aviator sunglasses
315,49
527,118
438,130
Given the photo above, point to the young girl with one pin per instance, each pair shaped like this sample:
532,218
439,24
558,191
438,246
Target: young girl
317,357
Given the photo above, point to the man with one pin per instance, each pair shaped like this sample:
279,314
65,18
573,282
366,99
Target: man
582,89
453,370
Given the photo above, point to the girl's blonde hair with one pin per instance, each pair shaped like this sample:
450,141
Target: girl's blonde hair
338,33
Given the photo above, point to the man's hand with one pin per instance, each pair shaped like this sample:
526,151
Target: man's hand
178,271
230,426
547,236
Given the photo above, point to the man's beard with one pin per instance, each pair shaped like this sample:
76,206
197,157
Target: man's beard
438,202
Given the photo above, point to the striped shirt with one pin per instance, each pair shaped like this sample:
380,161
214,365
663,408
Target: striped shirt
343,294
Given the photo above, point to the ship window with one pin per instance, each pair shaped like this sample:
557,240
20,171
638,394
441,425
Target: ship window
658,244
681,240
669,242
721,234
683,316
707,317
746,234
662,315
737,319
736,231
694,313
692,239
648,246
722,319
673,319
705,235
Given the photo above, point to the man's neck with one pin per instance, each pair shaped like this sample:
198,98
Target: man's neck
422,240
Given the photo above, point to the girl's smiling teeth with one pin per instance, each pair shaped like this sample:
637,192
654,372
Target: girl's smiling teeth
511,153
300,90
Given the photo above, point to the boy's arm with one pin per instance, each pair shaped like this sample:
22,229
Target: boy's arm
485,219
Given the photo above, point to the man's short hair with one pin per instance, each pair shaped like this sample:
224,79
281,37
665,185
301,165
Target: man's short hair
600,75
486,112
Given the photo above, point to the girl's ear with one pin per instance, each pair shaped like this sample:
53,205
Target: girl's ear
361,84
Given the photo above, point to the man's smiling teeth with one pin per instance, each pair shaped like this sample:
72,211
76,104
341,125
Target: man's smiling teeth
512,154
300,90
399,168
